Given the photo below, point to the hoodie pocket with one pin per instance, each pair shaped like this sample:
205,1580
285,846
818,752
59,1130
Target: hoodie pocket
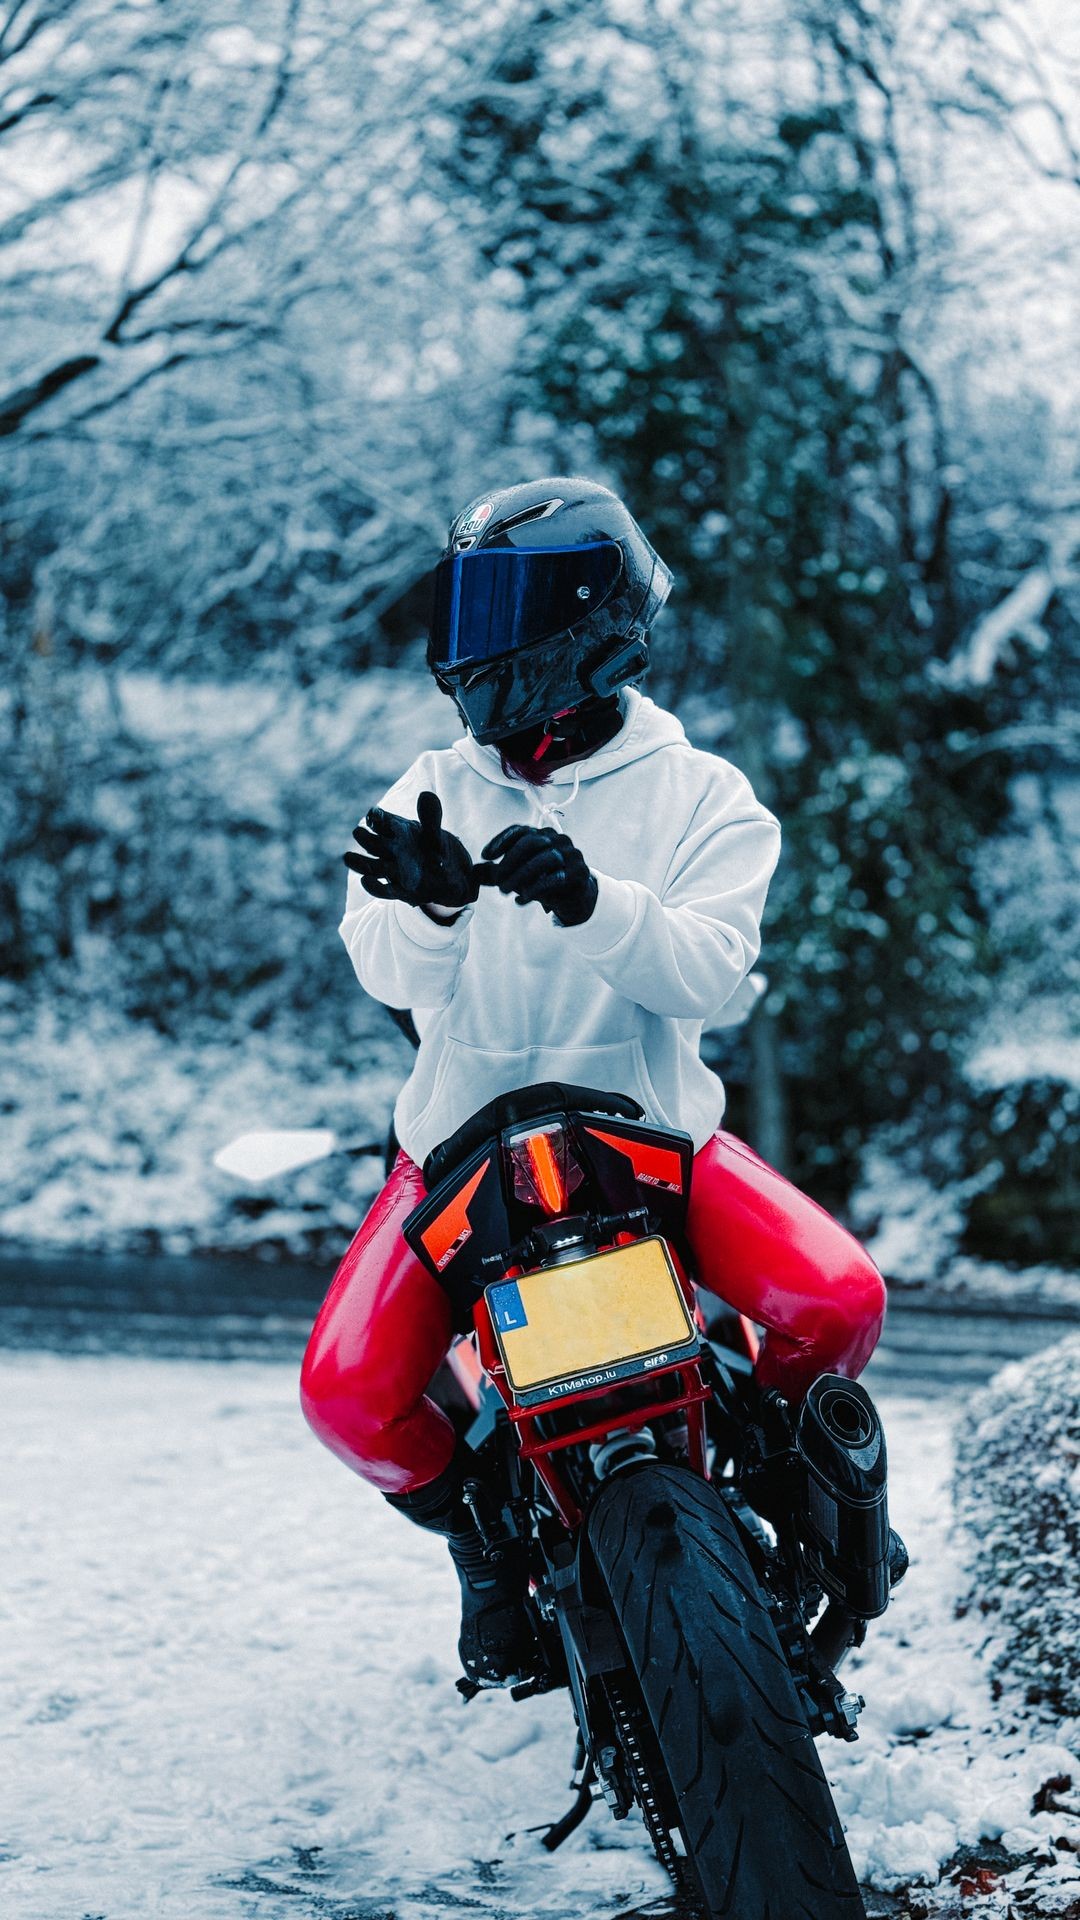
466,1078
613,1066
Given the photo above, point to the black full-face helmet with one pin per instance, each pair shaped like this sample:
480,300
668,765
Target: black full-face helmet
543,602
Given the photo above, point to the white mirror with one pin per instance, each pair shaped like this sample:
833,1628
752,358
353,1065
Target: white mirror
263,1156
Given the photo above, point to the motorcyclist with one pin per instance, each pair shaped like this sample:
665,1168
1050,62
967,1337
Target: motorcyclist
568,893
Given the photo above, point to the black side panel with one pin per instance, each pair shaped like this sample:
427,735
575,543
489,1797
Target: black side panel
625,1179
453,1230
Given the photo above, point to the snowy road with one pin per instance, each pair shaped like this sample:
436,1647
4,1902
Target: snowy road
226,1685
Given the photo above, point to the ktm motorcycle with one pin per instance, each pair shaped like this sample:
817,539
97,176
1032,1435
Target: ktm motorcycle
700,1559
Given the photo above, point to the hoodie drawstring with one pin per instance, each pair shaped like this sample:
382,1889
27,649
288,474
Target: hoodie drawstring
550,812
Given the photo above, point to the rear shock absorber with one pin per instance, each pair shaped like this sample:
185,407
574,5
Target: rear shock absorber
622,1447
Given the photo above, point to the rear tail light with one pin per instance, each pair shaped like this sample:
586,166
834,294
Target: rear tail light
545,1169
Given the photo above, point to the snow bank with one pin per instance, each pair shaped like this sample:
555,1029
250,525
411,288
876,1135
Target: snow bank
110,1128
1017,1489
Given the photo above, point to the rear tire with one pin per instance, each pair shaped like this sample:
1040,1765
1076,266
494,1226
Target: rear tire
760,1830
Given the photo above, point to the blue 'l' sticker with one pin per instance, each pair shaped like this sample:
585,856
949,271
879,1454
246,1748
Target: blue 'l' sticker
506,1305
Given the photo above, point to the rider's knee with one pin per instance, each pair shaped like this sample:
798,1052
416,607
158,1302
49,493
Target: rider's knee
352,1408
853,1312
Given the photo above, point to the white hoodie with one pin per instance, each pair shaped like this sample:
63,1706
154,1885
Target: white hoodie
682,853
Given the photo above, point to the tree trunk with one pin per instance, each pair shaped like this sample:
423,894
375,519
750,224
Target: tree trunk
768,1107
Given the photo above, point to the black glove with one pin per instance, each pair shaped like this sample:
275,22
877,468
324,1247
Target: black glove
536,863
413,860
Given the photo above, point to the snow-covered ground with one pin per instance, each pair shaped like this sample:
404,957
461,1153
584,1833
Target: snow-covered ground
227,1686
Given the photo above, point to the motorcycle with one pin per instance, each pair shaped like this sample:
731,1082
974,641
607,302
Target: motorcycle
701,1558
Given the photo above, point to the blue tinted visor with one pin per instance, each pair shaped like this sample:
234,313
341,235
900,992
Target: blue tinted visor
494,601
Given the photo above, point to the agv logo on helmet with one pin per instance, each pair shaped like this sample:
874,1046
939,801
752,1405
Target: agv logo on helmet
474,522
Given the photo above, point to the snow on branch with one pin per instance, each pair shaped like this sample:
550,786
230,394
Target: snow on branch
1017,617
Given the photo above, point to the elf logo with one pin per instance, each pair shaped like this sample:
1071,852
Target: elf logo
476,518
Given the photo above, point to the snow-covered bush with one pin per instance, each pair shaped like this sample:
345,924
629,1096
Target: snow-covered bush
1019,1152
1018,1493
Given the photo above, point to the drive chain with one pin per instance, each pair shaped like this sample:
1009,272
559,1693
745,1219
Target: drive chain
628,1723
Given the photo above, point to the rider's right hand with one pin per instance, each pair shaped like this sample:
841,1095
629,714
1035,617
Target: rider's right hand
416,861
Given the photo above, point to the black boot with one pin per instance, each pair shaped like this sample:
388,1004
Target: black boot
497,1645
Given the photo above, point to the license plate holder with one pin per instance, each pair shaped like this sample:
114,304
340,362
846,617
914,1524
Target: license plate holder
591,1323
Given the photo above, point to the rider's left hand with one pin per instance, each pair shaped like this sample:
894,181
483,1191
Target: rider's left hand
537,863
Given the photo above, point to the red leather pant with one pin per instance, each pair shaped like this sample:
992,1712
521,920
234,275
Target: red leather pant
757,1241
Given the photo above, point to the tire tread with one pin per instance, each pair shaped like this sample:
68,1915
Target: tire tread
740,1758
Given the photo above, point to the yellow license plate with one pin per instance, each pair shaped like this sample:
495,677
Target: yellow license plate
591,1322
